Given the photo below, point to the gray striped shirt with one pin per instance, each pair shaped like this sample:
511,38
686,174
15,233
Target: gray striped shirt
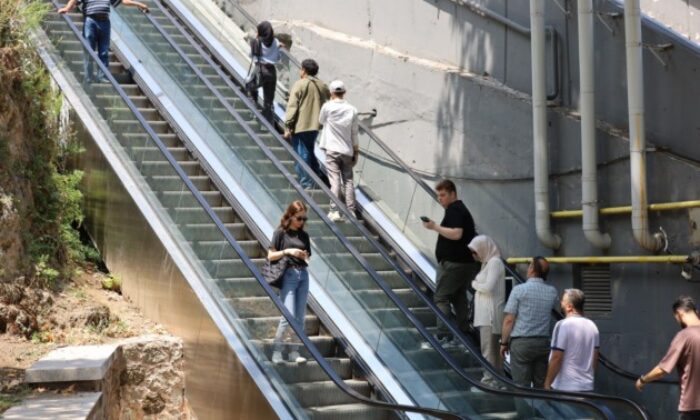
94,7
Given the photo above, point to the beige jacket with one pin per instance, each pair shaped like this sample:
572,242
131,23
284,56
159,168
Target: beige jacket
304,106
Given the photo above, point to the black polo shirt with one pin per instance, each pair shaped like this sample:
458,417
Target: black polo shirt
456,216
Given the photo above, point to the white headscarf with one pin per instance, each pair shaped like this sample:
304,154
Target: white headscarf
485,248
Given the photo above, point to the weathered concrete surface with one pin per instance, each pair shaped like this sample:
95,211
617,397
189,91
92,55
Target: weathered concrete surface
683,16
81,406
72,364
152,384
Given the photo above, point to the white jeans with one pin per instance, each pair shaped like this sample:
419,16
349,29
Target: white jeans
490,350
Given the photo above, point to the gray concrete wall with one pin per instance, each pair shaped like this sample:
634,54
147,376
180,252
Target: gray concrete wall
683,16
452,91
445,37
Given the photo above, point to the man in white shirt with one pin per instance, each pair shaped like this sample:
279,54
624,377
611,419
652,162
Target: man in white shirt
340,144
575,344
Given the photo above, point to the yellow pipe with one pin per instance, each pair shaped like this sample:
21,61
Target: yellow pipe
679,205
668,259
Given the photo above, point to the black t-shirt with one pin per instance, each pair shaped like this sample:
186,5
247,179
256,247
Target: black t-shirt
456,216
285,239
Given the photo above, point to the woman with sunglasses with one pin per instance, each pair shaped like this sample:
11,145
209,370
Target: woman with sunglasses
291,241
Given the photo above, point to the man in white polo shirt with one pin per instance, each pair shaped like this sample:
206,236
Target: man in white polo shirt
340,144
575,345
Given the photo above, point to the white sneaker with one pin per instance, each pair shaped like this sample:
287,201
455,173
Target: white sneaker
277,357
335,216
296,357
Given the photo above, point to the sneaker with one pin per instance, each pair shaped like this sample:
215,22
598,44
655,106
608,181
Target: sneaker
335,216
445,342
277,357
296,357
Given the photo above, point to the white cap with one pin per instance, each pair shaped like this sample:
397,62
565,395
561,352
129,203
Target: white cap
337,86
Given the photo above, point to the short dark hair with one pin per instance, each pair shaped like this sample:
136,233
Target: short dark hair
541,270
310,66
576,298
446,185
685,303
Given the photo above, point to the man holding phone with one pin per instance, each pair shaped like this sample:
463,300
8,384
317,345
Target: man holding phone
456,266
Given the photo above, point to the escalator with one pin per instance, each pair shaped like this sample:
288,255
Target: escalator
352,277
380,172
331,385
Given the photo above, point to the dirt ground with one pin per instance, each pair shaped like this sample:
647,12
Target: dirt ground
70,320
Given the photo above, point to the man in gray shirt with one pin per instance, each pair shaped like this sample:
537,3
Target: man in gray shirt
527,326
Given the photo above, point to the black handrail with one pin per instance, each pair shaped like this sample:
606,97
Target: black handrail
603,360
524,392
314,352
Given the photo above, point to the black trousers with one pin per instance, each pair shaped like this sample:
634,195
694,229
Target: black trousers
267,79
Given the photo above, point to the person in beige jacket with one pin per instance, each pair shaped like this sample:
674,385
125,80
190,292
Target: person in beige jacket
489,301
306,98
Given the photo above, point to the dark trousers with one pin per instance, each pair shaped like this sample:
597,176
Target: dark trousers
96,33
268,81
303,144
452,282
529,357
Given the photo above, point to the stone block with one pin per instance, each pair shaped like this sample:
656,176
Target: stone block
72,364
82,406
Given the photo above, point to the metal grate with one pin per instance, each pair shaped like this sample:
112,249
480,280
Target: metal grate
595,282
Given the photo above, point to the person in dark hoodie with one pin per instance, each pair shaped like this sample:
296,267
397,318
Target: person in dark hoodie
265,53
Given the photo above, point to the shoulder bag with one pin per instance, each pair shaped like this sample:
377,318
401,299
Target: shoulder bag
273,271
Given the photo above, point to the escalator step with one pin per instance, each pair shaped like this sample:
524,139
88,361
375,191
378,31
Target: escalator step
265,327
348,412
312,372
208,231
314,394
325,344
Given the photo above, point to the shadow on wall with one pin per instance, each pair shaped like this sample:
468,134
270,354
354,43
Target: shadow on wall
452,120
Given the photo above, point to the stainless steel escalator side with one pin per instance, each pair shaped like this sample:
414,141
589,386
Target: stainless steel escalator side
544,397
122,169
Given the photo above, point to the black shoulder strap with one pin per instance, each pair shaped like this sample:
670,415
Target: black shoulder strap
278,243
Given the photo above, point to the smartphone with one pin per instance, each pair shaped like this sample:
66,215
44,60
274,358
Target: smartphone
424,219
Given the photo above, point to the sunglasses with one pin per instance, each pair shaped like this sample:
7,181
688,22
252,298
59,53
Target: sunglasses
301,219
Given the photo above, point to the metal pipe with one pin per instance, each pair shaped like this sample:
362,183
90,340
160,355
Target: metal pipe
612,211
635,104
589,170
639,259
539,127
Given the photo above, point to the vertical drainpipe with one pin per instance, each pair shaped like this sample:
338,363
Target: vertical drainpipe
635,104
539,127
589,176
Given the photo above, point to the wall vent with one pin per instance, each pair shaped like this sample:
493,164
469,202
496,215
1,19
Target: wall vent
595,282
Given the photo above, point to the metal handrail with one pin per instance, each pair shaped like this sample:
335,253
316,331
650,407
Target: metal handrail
603,360
524,392
314,352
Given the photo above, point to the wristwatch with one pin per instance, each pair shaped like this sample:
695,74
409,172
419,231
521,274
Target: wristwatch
641,379
502,343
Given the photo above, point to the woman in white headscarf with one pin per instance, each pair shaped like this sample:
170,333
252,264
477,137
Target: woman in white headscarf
489,300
